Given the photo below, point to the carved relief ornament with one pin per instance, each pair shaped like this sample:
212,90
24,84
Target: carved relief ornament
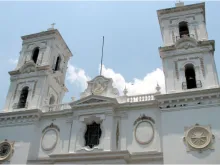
99,85
6,150
198,138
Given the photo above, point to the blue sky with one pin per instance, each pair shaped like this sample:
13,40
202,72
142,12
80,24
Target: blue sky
132,38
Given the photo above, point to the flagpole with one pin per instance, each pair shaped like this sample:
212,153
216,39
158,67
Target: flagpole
102,55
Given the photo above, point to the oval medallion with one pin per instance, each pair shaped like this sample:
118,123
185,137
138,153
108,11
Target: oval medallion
144,132
49,139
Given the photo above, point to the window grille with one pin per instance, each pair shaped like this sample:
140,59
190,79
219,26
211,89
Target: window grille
92,135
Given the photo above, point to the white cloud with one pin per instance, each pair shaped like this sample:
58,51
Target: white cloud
137,86
78,76
13,61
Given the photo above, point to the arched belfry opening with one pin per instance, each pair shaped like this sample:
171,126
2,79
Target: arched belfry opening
52,100
57,66
190,76
23,97
183,29
35,54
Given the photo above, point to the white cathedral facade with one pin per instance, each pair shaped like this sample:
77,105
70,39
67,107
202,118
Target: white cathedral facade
181,126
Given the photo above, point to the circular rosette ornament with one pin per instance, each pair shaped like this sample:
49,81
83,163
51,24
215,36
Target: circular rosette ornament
6,150
198,138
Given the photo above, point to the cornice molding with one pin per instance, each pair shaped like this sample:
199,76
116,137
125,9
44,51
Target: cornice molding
19,117
142,104
202,46
98,156
146,156
52,34
41,34
196,106
94,101
190,94
62,113
181,9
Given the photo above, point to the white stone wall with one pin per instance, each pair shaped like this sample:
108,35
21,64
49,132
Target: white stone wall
23,136
62,145
173,124
131,144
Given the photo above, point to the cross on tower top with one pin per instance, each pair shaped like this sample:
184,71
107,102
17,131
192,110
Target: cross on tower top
179,3
52,25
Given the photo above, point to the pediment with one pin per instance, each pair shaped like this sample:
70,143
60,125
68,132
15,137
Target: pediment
185,43
94,100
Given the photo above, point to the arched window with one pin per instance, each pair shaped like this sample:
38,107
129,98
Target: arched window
35,55
23,97
183,29
190,76
57,66
52,100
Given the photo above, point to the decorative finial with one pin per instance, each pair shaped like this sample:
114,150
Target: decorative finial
52,26
179,3
125,91
158,88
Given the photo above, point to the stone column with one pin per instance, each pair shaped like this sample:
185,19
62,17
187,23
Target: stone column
75,134
108,133
123,131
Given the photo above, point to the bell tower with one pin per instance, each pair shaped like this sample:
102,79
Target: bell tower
38,79
187,54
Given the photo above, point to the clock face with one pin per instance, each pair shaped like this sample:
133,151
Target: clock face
144,132
198,137
49,139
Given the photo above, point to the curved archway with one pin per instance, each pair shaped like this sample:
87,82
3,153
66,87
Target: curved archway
52,100
183,29
23,97
190,76
35,54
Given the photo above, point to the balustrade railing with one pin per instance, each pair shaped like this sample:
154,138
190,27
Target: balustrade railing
20,105
57,107
140,98
198,85
129,99
185,36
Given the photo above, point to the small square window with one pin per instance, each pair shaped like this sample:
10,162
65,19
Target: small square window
92,135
